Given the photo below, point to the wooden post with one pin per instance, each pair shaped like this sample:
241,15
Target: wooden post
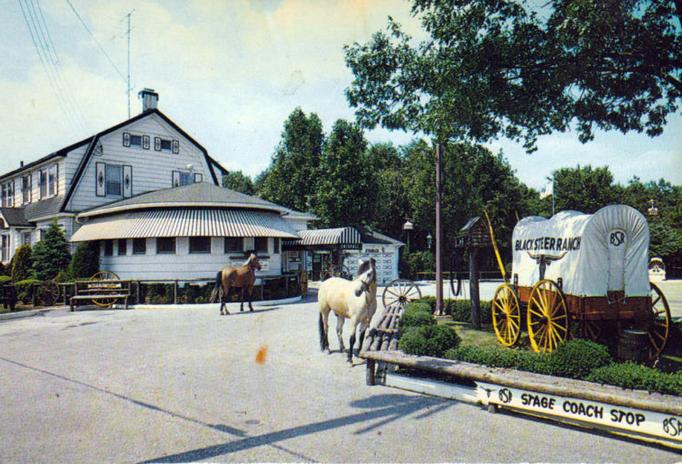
439,264
137,292
175,292
473,287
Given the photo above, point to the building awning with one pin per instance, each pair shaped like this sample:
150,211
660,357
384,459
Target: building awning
343,237
185,223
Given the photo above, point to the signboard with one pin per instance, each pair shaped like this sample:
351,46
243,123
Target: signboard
641,422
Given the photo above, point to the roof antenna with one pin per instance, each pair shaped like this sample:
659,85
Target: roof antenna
130,13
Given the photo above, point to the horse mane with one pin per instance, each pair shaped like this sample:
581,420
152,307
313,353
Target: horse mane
365,266
251,257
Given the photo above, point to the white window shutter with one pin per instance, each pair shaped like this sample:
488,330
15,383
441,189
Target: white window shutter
176,146
100,179
176,179
145,142
198,178
157,143
127,181
126,139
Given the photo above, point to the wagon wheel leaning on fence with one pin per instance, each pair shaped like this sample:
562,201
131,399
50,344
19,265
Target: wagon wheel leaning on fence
658,325
400,292
104,276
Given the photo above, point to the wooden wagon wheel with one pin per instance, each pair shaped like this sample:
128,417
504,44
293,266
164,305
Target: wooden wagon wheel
104,276
547,316
506,313
590,330
400,292
659,323
48,292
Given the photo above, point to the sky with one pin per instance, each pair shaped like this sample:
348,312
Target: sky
229,73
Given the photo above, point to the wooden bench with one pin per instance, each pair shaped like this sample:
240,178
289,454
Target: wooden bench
100,290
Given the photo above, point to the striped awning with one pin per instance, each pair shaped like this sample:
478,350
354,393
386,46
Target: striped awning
345,237
185,223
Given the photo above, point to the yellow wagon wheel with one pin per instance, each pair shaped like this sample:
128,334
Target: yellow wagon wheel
506,313
547,316
659,323
104,276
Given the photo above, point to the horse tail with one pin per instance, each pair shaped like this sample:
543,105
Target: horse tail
216,288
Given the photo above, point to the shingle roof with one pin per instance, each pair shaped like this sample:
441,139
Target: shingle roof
194,195
43,208
15,217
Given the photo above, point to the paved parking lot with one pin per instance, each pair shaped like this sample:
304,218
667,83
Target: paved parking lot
183,384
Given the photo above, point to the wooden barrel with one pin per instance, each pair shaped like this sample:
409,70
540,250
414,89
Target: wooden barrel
632,345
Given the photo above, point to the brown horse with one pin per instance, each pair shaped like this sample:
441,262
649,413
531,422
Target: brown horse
243,277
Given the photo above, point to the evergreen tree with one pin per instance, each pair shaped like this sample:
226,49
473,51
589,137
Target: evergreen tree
237,180
85,261
51,255
290,180
22,263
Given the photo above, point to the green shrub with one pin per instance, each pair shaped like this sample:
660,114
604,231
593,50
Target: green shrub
576,358
62,276
4,279
418,306
428,340
496,356
22,263
25,289
51,254
415,319
420,261
85,261
430,300
631,375
3,270
461,310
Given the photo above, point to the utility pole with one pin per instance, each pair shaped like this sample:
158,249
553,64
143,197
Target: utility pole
129,89
439,263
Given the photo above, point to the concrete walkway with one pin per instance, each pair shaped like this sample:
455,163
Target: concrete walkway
183,385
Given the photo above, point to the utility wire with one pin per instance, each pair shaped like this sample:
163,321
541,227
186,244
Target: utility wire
44,62
51,51
118,71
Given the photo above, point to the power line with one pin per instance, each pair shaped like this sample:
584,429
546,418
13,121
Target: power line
96,41
56,62
28,19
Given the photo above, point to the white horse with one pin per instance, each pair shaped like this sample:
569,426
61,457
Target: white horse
355,300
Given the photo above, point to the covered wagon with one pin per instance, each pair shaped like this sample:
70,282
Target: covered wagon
577,274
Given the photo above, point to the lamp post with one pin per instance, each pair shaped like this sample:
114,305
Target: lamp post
652,211
407,227
429,239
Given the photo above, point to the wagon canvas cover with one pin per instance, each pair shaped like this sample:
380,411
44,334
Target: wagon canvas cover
600,252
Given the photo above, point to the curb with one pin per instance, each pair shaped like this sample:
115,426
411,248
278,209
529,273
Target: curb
22,314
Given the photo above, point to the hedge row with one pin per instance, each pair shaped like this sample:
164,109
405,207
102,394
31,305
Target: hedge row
420,335
460,310
579,359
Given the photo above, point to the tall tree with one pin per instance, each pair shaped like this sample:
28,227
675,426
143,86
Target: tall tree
584,189
490,68
345,191
237,180
51,254
290,180
390,201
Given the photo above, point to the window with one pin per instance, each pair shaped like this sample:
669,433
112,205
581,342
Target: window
185,178
26,238
41,234
122,247
8,195
135,140
113,179
43,183
165,145
165,246
200,245
52,181
261,244
5,248
26,189
277,244
234,245
108,248
139,246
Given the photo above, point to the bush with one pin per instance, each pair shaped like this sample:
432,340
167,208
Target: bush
576,358
419,306
428,340
415,319
3,270
461,311
4,280
631,375
51,254
420,261
22,262
85,261
25,290
495,356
